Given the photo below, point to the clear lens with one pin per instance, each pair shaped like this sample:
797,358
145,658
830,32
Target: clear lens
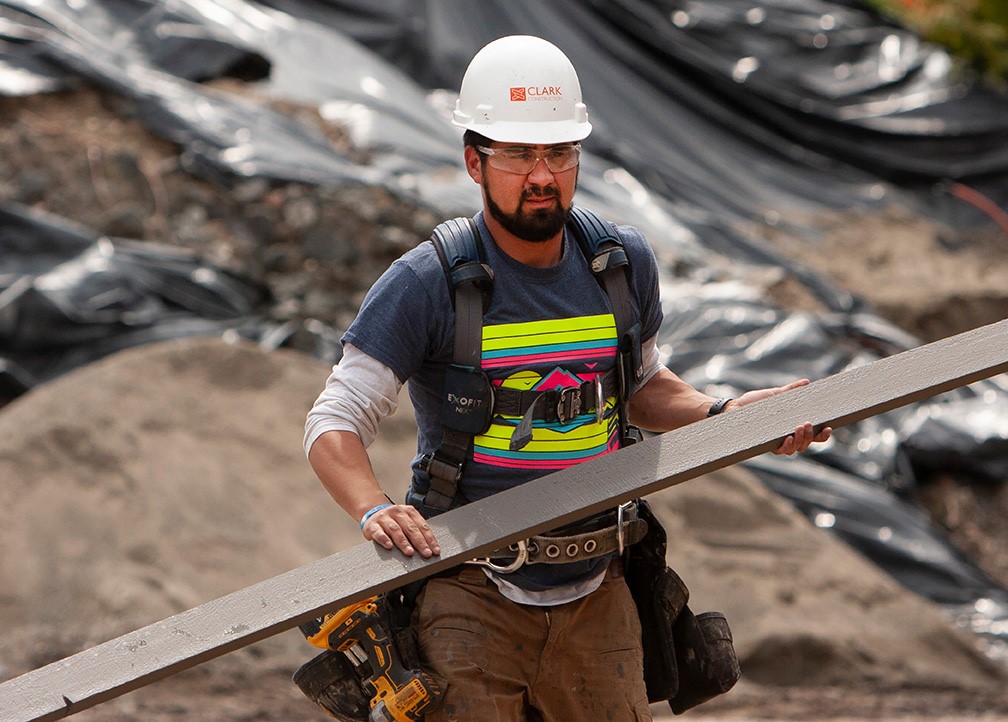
521,160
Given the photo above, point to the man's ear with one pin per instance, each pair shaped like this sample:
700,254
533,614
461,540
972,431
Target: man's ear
474,164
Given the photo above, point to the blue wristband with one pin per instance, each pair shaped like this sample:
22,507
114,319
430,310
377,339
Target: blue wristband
370,512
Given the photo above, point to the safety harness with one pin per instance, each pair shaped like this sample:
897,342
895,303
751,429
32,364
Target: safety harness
470,400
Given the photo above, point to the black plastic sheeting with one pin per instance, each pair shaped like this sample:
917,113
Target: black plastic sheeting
69,297
728,109
708,115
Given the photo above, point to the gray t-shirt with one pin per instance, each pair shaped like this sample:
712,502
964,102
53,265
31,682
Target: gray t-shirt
544,328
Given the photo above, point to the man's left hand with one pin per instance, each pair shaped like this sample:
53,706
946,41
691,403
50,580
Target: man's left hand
803,436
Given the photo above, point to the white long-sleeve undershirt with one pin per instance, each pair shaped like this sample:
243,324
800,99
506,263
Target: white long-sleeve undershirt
360,392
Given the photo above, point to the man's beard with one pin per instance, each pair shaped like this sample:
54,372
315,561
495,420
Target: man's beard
537,226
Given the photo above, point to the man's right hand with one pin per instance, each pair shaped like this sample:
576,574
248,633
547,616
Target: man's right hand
401,526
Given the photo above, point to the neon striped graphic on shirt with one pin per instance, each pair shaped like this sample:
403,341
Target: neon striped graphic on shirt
555,341
549,355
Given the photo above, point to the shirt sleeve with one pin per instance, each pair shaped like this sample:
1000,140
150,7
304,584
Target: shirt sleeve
360,392
644,281
404,319
650,359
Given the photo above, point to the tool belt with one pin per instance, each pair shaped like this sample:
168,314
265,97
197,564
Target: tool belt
603,534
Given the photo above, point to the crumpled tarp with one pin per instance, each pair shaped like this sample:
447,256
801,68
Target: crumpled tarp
737,108
69,297
708,114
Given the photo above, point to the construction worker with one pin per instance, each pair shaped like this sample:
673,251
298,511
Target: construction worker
515,641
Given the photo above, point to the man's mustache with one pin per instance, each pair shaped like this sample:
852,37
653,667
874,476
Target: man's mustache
540,192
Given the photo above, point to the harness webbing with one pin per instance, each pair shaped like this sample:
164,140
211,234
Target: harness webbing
604,251
470,281
608,260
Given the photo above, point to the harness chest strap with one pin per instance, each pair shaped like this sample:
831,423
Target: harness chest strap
558,405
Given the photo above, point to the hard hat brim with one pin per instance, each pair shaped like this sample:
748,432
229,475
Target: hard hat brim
560,131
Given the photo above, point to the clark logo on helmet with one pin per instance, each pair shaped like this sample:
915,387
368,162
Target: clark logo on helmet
535,92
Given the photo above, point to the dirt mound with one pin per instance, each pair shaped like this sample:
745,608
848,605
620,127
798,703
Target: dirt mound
927,278
172,474
821,633
154,481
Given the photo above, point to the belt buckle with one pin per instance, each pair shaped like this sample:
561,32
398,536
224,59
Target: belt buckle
620,512
569,404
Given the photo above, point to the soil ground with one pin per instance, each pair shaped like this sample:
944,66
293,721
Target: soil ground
165,476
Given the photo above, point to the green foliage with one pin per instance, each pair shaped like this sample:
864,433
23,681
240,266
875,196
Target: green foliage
975,31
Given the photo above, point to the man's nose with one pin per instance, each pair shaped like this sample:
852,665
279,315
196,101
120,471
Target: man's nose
540,171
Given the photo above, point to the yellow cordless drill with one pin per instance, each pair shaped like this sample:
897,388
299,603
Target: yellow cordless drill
397,694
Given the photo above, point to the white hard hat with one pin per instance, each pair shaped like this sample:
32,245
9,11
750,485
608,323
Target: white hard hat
522,89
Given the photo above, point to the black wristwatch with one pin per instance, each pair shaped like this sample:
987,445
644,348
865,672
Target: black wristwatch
718,406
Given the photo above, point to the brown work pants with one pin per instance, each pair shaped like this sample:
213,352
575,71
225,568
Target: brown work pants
508,662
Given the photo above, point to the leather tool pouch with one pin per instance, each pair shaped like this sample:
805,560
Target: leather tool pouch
705,658
397,610
329,680
688,659
659,595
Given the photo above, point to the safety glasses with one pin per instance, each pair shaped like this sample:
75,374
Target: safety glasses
521,159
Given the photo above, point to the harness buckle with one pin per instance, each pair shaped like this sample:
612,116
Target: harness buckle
569,404
599,401
438,467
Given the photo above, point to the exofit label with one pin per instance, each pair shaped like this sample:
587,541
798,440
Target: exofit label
536,92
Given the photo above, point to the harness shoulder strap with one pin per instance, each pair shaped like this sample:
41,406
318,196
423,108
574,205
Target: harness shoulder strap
470,283
607,259
609,262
